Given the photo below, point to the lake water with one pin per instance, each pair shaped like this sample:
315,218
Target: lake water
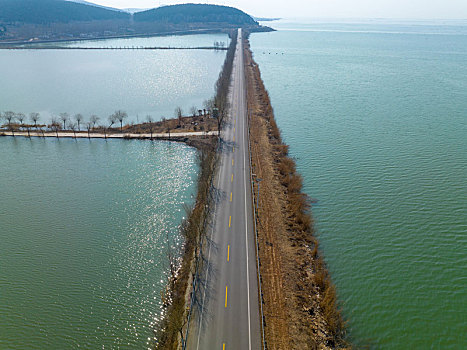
375,114
140,82
85,231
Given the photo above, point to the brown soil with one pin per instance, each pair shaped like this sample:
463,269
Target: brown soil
184,124
174,125
300,304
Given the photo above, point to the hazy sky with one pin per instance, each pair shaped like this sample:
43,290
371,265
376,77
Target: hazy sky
412,9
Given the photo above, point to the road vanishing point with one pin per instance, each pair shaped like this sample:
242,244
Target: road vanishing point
228,316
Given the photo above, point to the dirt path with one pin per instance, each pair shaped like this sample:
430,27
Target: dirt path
84,135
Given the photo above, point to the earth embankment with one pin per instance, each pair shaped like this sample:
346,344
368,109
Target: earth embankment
300,303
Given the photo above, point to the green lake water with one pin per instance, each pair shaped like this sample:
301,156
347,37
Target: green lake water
85,231
376,117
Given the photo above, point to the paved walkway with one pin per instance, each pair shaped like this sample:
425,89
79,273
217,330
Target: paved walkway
93,135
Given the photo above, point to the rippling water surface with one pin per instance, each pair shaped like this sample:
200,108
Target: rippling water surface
141,82
85,231
375,115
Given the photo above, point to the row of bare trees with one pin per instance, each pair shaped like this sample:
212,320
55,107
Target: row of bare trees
77,123
220,103
16,121
13,118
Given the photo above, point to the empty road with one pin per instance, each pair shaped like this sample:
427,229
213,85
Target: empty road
229,316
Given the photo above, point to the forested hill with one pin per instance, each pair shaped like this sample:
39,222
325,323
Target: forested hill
196,13
55,20
53,11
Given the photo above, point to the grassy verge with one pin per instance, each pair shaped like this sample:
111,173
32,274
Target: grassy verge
300,303
171,332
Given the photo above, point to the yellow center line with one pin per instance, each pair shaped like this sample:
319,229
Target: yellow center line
230,220
233,148
234,139
223,346
234,129
232,162
225,296
231,196
228,252
231,179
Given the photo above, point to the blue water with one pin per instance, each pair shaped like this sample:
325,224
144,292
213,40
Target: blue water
375,114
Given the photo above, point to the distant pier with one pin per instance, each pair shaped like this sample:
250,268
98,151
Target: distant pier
27,47
95,135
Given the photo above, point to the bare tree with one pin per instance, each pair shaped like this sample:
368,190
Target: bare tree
193,111
151,124
34,117
120,116
220,118
208,105
79,119
178,114
10,116
94,119
64,117
72,127
112,121
20,117
89,126
55,126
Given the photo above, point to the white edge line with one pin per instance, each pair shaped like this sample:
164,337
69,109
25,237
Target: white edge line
246,214
221,170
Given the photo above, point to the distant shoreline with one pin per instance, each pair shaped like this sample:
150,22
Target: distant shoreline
211,48
129,36
265,19
122,36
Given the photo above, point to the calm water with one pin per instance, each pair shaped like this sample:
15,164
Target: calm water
140,82
85,228
196,40
375,114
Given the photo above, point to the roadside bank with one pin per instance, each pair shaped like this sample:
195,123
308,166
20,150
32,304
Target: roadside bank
300,303
183,286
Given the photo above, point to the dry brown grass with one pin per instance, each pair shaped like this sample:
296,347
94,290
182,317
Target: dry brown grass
301,307
174,125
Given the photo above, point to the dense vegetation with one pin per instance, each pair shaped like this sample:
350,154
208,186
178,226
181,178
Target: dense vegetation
53,11
56,20
194,13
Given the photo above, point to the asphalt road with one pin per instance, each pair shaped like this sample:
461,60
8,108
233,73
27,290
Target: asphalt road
229,310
